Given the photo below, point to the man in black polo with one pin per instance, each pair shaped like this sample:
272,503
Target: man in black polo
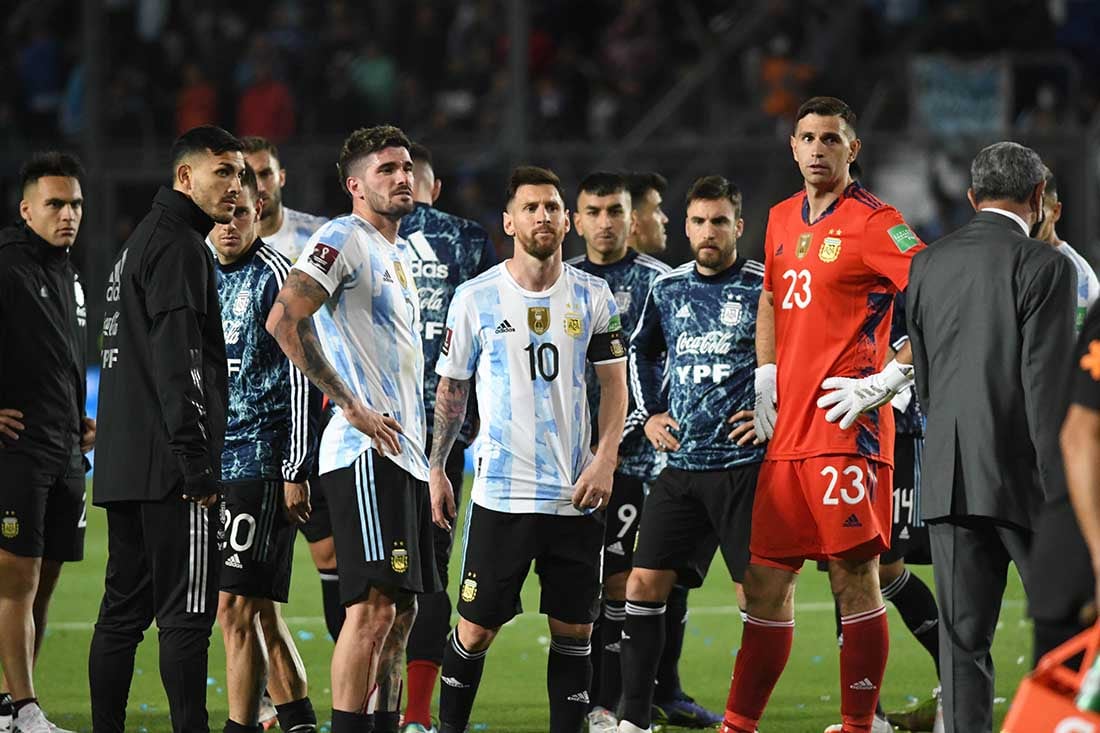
162,407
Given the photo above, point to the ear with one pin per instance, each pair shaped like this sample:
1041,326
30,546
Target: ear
971,199
1056,213
259,206
794,148
567,227
857,145
183,177
282,177
437,187
740,228
25,210
351,183
633,230
577,220
509,227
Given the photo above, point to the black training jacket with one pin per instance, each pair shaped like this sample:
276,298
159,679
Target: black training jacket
163,382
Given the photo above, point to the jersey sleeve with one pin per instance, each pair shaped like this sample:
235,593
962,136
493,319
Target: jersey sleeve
606,345
1085,383
769,250
889,245
175,276
648,350
461,346
325,261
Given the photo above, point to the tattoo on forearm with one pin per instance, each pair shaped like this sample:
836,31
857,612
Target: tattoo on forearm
391,663
450,412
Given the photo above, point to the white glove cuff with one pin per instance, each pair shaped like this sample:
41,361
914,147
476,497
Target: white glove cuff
897,376
764,374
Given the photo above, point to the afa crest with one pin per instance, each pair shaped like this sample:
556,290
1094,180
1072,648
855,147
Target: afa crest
9,526
469,589
830,247
731,313
538,319
573,325
399,558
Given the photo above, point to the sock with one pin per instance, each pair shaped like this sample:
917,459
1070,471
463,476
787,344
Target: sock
345,722
5,703
296,716
839,627
421,675
330,600
640,650
568,675
668,669
862,666
386,721
596,640
611,669
460,677
232,726
765,647
18,705
917,606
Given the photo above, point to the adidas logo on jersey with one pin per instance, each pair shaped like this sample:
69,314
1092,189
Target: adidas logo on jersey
234,561
581,696
616,548
505,327
852,521
903,534
684,312
386,277
779,249
452,682
863,684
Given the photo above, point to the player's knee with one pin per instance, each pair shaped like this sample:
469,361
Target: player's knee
768,592
323,553
474,638
614,586
889,572
578,633
855,585
236,614
18,576
646,584
371,620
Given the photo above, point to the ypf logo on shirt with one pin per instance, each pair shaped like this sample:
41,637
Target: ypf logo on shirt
323,256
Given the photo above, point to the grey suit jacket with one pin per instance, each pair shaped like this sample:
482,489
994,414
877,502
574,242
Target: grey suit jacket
991,317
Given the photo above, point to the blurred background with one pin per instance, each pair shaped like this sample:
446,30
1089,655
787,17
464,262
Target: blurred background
682,87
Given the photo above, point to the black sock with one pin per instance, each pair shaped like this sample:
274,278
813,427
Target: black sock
330,601
642,641
918,610
568,675
386,721
459,679
18,705
595,690
668,670
839,626
611,669
345,722
232,726
297,716
5,704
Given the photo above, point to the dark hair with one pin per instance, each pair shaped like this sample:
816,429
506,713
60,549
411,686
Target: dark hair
1005,170
531,175
714,188
827,107
204,138
1052,182
367,140
50,163
420,154
640,183
248,180
602,183
257,144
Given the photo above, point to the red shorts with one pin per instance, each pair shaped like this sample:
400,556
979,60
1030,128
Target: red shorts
821,508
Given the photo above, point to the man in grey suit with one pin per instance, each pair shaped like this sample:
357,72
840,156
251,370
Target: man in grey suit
991,320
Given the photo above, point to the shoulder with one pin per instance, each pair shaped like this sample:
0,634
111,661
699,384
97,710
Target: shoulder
585,279
674,276
272,261
488,279
792,203
860,195
577,261
338,233
652,263
753,271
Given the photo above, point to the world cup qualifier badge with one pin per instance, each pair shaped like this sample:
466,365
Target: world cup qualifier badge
469,588
538,319
9,526
399,558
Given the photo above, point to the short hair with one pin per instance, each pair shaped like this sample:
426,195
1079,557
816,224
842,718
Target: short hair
1005,170
715,188
602,183
202,139
827,107
640,183
257,144
367,140
1052,182
50,163
531,175
420,154
248,180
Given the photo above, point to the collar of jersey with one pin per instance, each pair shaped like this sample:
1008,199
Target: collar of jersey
534,293
182,206
851,189
630,256
722,276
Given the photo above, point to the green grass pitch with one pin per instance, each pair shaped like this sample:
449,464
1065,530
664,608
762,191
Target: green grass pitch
512,698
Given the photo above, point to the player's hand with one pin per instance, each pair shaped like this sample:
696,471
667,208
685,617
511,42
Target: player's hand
382,429
87,435
593,489
764,409
443,498
296,499
10,423
204,501
658,428
745,432
849,398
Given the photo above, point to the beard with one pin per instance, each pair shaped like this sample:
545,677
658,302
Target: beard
388,207
272,204
710,257
541,249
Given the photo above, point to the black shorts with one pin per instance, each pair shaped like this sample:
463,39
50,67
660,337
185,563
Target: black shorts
497,552
382,528
319,525
256,540
624,515
909,534
443,539
690,514
42,512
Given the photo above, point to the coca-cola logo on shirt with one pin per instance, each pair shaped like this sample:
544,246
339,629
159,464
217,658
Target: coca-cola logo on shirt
706,344
323,256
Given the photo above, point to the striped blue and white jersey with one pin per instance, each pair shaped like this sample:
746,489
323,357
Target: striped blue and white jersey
1088,286
705,326
370,330
529,351
292,236
629,279
271,423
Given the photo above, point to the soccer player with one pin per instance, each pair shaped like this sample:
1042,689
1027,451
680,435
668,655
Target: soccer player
647,218
367,356
835,258
270,447
44,432
444,251
526,328
701,317
1088,286
162,402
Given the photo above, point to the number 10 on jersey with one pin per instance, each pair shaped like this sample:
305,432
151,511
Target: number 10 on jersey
543,361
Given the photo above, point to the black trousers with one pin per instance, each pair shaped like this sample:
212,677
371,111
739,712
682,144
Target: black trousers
162,563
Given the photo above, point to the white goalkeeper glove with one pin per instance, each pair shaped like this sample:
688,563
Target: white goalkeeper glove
850,398
764,412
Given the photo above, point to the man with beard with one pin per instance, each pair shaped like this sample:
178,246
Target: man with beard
526,328
162,403
282,228
366,355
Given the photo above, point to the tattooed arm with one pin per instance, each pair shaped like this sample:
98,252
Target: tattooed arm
291,323
450,411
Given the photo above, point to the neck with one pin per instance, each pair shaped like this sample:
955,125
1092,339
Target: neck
533,274
1021,210
721,267
822,197
386,226
422,197
272,224
605,258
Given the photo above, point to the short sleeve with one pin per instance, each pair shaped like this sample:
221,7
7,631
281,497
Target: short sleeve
177,275
769,250
1085,388
461,346
323,259
889,245
607,344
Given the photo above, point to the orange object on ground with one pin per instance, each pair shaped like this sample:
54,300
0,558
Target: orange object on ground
1045,702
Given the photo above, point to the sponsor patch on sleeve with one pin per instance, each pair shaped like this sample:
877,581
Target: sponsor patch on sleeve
615,323
903,237
323,257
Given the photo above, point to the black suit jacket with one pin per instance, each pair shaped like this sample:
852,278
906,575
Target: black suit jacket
991,318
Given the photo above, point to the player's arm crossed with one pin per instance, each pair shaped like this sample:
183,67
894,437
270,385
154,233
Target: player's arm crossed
450,412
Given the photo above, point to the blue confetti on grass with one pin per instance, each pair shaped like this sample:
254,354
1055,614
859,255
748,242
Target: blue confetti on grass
481,726
816,659
304,635
210,682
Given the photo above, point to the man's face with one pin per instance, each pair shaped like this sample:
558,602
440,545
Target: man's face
233,238
603,221
712,229
648,224
52,207
384,179
270,177
823,147
537,218
1052,212
213,182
